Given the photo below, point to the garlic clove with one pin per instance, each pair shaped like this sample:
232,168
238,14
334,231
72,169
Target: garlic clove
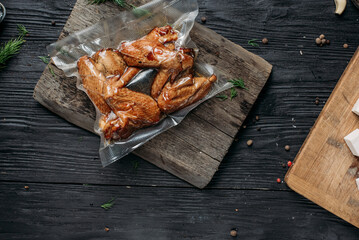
340,6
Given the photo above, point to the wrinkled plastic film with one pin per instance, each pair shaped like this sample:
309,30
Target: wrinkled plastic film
129,26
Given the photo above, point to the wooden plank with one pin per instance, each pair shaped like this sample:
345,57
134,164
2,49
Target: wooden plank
60,95
68,211
325,170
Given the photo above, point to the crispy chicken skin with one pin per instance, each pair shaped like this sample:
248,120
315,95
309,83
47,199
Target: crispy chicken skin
183,92
134,110
93,81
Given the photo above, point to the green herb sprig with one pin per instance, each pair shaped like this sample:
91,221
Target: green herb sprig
237,83
234,93
45,59
253,43
12,47
222,97
22,30
109,204
122,3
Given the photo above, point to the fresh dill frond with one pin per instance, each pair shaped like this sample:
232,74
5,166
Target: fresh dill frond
52,71
12,47
108,205
253,43
239,83
9,49
45,59
22,30
233,93
222,97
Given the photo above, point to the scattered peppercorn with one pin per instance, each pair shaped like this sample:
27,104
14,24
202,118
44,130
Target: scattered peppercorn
259,128
233,233
287,147
283,165
250,142
107,229
204,19
53,23
316,101
27,187
244,126
345,45
278,180
257,118
289,163
318,41
265,41
321,40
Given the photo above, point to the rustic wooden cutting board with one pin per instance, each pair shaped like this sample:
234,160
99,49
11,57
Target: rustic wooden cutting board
325,170
193,150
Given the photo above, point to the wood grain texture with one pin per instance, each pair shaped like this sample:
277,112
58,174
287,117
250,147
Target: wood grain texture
39,146
35,214
325,170
191,151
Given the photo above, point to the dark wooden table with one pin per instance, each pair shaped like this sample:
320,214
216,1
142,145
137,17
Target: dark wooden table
67,185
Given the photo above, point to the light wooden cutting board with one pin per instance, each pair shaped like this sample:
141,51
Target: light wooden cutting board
325,170
193,150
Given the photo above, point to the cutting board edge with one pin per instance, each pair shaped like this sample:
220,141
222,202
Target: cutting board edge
356,54
289,173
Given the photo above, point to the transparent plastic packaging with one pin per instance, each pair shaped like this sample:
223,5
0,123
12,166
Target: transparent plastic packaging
130,26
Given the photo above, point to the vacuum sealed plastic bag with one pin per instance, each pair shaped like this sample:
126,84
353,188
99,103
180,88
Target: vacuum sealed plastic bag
140,71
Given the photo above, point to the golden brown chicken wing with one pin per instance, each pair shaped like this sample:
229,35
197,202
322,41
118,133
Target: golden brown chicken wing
93,81
183,92
134,110
109,62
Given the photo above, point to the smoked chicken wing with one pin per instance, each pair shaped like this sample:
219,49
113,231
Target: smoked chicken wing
134,110
183,92
93,81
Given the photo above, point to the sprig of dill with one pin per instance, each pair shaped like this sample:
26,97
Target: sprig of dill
52,71
253,43
122,3
234,93
109,204
222,97
22,30
45,59
12,47
239,83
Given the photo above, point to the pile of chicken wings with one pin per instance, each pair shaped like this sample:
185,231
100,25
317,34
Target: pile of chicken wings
106,74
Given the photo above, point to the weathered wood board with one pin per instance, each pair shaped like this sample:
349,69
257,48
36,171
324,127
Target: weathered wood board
325,170
193,150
